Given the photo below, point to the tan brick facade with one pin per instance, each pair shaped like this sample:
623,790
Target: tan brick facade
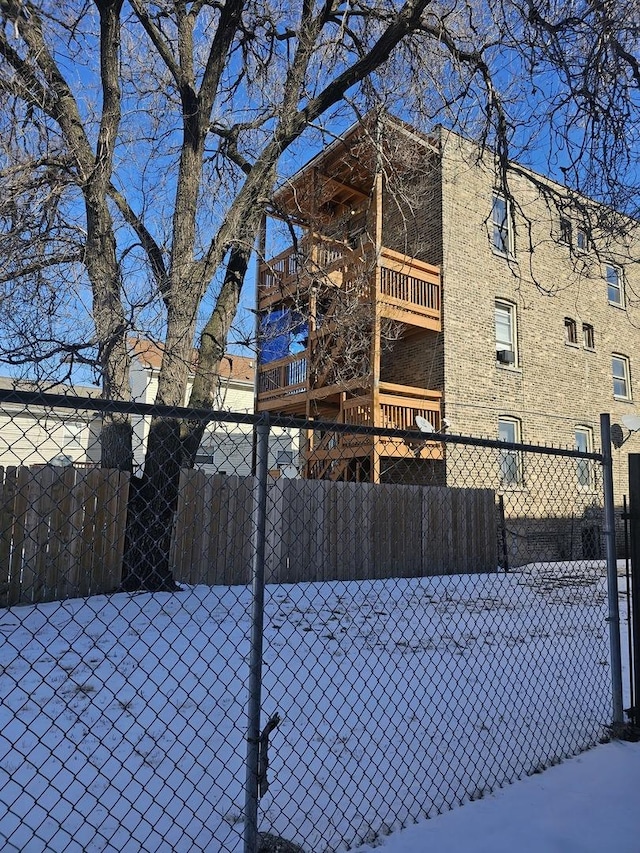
554,386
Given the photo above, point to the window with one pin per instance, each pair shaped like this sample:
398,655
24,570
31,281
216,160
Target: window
510,460
620,372
505,319
565,230
570,331
582,240
284,458
502,230
588,336
584,467
73,436
614,285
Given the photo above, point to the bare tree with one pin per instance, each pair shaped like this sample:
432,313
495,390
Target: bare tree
142,141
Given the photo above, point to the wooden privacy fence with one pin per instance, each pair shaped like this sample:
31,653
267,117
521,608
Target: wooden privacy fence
320,530
62,531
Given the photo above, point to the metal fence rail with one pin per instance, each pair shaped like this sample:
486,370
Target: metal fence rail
340,657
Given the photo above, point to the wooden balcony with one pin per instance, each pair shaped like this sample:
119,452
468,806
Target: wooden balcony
406,289
284,378
327,452
409,290
290,274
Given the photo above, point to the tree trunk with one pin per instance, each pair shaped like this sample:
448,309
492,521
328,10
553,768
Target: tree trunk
152,505
172,445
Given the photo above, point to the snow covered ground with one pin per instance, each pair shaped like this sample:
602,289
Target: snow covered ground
587,804
122,719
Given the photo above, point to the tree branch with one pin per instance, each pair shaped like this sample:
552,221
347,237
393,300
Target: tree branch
151,248
158,41
51,261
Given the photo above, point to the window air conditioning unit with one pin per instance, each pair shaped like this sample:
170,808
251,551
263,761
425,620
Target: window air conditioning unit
505,356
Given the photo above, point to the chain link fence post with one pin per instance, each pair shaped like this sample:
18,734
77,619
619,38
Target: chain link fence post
255,654
612,572
634,553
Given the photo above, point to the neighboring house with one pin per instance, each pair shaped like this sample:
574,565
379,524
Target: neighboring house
513,314
225,447
31,435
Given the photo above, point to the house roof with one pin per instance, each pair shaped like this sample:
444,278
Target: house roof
347,163
8,383
238,368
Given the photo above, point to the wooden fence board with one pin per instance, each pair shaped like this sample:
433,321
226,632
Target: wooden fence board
36,517
45,587
276,529
8,478
58,556
223,562
198,555
63,531
20,508
76,520
118,525
209,529
218,572
96,523
229,533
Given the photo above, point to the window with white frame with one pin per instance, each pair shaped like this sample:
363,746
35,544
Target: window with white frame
582,240
615,293
621,373
510,459
502,226
506,332
584,467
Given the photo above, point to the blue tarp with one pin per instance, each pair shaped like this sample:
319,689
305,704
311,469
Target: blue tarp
282,333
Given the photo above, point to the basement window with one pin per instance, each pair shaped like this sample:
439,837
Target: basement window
509,429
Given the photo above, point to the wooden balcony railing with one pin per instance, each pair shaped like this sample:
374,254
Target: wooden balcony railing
287,272
404,285
395,412
279,271
283,378
325,452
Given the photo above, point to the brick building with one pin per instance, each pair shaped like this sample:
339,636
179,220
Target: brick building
510,310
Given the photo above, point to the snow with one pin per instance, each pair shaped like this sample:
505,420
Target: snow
122,718
585,805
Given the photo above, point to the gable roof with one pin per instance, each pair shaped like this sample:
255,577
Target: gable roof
8,383
237,368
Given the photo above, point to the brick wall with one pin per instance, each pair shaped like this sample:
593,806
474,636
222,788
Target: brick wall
411,205
554,386
417,361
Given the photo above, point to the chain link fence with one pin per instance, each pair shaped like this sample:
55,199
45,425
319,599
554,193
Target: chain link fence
337,632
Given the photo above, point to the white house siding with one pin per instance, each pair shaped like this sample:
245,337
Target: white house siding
59,438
